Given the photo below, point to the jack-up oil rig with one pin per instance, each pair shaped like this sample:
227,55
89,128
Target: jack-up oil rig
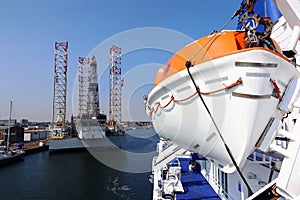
89,122
58,126
116,84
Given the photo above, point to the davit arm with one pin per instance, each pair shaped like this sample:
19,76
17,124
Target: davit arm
290,9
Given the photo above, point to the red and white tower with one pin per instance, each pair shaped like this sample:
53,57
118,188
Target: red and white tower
60,83
116,83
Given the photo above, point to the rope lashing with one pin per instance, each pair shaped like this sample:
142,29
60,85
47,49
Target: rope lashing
277,89
172,98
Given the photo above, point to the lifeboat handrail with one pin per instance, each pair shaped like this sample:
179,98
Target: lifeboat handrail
172,98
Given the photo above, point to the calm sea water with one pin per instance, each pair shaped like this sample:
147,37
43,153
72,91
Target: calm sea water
78,175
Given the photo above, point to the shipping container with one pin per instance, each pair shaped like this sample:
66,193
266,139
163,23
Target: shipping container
27,137
43,135
35,135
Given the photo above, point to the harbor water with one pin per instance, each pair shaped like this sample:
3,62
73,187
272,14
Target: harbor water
78,174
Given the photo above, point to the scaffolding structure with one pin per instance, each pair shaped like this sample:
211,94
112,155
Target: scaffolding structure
93,90
116,83
88,87
60,83
82,85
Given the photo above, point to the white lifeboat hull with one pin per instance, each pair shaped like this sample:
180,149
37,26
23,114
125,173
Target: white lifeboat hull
241,112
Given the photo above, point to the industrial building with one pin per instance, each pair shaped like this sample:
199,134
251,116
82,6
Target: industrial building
16,134
5,122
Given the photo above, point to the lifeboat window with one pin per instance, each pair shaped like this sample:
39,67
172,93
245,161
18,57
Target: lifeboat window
165,97
183,89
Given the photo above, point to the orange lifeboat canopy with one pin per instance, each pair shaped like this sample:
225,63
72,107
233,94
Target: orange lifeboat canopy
204,49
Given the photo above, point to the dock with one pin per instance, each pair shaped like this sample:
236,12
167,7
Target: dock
35,147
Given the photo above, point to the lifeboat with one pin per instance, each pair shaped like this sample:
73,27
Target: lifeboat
242,86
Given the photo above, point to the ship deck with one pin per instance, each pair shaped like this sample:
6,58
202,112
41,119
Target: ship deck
194,184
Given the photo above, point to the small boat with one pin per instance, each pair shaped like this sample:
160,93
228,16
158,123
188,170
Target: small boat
8,155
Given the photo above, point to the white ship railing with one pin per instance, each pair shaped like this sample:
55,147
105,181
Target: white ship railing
220,191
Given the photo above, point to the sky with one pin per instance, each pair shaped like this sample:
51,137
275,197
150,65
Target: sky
29,29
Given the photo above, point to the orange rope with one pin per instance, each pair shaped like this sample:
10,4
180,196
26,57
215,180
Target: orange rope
277,89
236,83
185,99
172,98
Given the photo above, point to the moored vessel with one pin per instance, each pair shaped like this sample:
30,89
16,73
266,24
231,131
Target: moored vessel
8,155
